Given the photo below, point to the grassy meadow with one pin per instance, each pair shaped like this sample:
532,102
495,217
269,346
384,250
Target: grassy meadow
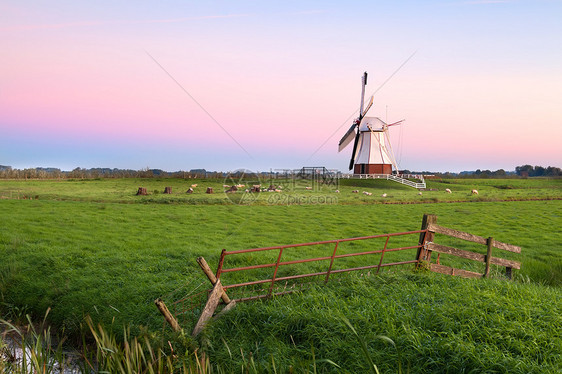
93,248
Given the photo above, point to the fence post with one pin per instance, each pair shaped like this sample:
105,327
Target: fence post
508,272
212,278
425,237
490,243
167,315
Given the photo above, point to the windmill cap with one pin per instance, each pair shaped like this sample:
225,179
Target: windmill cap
371,124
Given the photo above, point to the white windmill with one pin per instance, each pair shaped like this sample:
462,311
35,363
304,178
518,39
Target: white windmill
372,152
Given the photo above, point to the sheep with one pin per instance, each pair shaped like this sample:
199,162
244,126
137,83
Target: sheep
225,186
308,188
355,191
383,195
193,185
420,193
367,193
448,190
337,191
240,186
474,192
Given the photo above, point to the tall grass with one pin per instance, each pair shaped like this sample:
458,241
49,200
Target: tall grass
437,324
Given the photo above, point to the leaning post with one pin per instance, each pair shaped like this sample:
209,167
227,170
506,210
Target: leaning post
167,315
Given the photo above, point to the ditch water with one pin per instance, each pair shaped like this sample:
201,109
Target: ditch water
12,353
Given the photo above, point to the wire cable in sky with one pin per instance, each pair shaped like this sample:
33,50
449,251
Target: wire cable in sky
200,106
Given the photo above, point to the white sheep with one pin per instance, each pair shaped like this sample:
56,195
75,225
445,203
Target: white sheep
308,188
193,185
383,195
419,193
448,190
474,192
355,191
337,191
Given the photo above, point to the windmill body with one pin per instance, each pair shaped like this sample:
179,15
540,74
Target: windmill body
373,156
372,152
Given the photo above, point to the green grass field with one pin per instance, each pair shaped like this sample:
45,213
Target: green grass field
91,247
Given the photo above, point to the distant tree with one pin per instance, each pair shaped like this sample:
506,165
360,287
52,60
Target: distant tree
552,171
499,173
525,169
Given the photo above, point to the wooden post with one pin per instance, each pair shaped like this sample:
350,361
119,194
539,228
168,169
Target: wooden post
212,278
210,307
490,243
167,315
508,272
422,254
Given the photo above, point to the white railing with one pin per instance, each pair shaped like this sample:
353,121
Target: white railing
395,178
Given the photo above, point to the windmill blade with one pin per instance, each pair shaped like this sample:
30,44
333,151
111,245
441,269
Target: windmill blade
396,123
352,161
368,107
347,138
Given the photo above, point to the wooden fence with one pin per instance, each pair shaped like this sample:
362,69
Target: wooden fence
428,245
425,247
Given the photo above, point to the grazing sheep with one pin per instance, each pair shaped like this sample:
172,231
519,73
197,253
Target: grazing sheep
355,191
419,193
383,195
337,191
240,186
308,188
448,190
474,192
193,185
367,193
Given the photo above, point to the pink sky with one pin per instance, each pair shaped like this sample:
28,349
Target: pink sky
79,87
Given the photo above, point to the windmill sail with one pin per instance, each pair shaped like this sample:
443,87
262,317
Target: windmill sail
347,138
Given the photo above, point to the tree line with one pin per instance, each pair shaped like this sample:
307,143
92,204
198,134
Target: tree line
538,171
7,172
